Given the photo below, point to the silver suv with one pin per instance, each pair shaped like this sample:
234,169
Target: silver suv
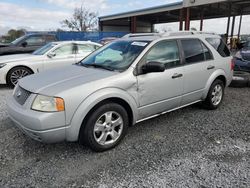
127,81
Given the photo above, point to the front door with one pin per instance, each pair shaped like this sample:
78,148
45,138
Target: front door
64,55
159,92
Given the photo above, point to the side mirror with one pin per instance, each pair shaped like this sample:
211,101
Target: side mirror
153,67
51,54
24,44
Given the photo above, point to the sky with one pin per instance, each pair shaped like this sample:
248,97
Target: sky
44,15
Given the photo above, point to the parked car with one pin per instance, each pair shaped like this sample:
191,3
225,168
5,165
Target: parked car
51,56
242,58
27,43
95,101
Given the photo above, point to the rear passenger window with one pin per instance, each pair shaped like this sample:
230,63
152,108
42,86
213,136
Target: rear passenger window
220,46
83,48
165,52
193,50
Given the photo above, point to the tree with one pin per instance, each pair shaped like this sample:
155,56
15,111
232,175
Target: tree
13,34
82,20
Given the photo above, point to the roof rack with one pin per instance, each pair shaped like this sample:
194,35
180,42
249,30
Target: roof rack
130,35
179,33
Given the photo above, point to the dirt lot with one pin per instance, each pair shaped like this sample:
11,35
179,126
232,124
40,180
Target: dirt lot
191,147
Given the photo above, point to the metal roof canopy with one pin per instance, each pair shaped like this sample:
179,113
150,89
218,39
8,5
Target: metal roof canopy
182,11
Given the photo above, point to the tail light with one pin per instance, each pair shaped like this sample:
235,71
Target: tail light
232,64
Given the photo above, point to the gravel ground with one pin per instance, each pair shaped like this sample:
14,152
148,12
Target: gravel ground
191,147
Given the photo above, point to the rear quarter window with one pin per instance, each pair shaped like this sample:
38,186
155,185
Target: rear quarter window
220,46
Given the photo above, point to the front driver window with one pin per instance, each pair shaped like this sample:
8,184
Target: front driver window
66,49
165,52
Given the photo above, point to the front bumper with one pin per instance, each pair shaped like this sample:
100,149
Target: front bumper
2,76
43,127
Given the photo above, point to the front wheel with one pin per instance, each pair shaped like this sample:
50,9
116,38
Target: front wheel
105,127
15,74
215,95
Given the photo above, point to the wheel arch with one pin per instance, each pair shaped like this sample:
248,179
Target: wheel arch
21,66
17,66
219,74
94,101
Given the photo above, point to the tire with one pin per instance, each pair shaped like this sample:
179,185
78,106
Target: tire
215,95
240,79
99,131
15,74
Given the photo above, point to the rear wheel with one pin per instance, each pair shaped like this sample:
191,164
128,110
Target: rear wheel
105,127
215,95
15,74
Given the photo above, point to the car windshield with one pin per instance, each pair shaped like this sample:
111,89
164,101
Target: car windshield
44,49
116,56
15,42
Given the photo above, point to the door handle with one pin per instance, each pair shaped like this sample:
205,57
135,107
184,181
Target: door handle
210,67
176,75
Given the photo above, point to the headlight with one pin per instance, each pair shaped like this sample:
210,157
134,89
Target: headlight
2,65
48,104
238,55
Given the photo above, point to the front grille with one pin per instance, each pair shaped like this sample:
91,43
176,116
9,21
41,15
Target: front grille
21,95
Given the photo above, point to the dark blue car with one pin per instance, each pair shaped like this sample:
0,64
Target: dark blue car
242,58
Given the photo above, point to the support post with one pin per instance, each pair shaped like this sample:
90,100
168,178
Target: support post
187,20
152,27
232,32
202,18
232,29
100,26
240,26
181,20
133,24
228,21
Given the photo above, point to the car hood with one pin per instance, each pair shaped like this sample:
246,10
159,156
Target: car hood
17,57
52,82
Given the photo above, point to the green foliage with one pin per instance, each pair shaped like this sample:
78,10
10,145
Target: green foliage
13,34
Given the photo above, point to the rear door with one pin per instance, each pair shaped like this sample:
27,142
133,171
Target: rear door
199,65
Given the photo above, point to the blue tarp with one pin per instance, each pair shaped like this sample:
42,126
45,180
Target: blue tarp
84,36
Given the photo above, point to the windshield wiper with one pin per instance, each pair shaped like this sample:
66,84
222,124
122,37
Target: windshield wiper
98,66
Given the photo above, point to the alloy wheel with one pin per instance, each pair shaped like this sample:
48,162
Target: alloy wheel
217,95
108,128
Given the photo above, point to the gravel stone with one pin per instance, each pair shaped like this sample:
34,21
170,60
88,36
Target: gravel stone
191,147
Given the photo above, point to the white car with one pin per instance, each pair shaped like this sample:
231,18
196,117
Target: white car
50,56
